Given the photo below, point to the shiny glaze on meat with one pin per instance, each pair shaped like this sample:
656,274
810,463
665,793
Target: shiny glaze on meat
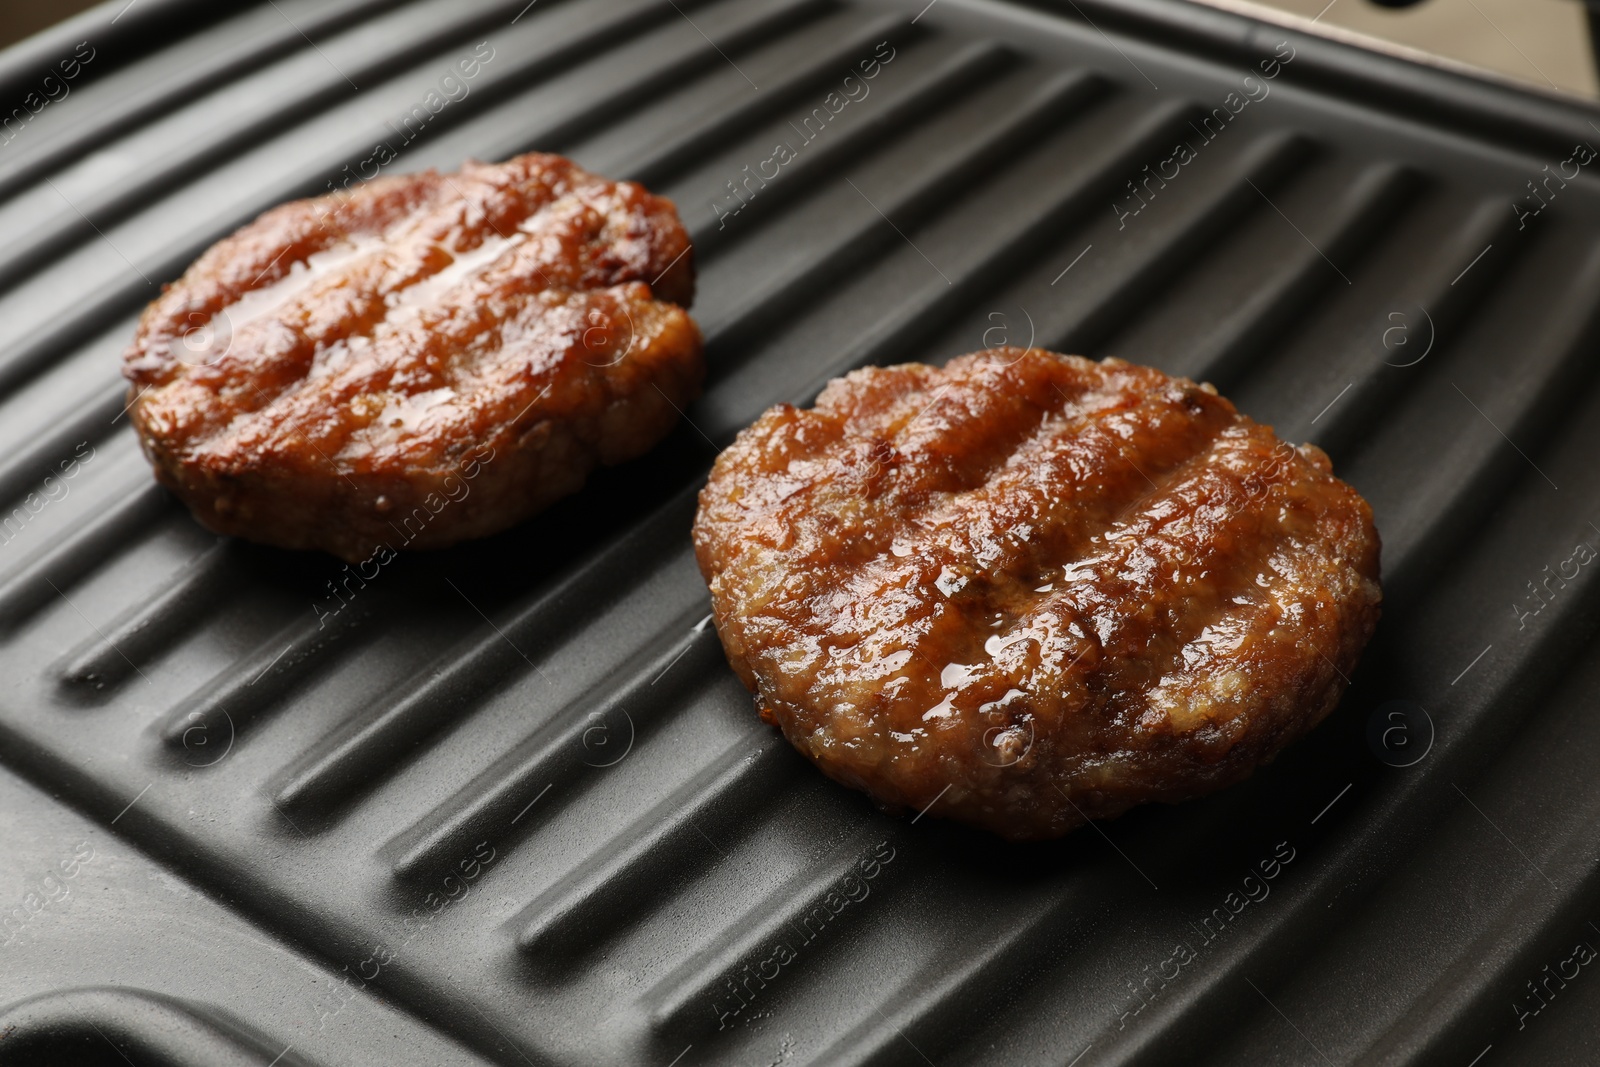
1030,589
334,373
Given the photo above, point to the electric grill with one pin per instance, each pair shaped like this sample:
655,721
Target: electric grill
507,804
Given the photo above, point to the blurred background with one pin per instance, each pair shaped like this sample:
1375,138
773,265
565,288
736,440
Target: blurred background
20,18
1541,42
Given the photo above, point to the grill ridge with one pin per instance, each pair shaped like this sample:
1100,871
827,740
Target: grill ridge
360,753
620,906
559,754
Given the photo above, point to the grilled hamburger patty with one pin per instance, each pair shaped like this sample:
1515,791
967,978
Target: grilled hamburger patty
1030,589
424,359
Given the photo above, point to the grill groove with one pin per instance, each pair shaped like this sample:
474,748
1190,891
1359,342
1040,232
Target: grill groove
369,760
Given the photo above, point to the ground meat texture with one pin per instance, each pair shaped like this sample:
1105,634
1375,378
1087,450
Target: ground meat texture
1030,589
419,360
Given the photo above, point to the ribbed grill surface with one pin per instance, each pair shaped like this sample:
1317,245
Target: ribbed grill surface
520,774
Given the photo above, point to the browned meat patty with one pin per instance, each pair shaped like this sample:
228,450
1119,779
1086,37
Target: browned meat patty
424,359
1030,589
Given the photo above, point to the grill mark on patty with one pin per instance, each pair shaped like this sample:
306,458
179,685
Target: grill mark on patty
1082,436
1021,611
578,216
1212,570
1248,543
359,387
359,289
875,675
1040,416
1092,441
1297,560
1213,682
329,412
1174,440
264,253
1127,673
961,435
